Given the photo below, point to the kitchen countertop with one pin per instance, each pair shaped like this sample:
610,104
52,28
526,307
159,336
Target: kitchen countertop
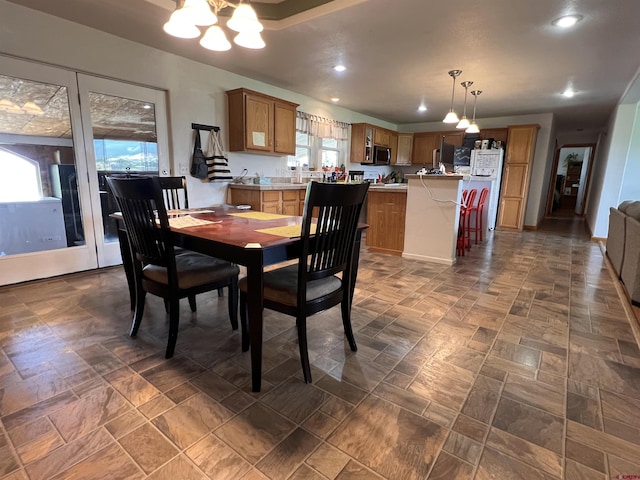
393,187
447,176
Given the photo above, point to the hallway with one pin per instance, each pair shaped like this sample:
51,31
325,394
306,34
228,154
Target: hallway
517,362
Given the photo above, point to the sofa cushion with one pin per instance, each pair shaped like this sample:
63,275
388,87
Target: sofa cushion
625,205
633,210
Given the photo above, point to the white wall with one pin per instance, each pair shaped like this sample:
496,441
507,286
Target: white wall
630,188
608,169
195,92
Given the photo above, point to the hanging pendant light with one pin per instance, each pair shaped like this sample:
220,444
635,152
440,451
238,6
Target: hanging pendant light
464,122
452,117
473,128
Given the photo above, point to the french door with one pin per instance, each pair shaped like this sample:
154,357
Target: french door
61,134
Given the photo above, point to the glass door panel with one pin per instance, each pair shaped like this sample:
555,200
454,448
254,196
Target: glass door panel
43,206
126,134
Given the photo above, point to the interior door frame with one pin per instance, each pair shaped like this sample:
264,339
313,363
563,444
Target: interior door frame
554,172
108,253
36,265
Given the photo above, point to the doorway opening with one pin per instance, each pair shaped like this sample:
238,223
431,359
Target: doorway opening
569,182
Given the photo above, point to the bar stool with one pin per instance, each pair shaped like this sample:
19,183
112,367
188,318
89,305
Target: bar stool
478,209
466,212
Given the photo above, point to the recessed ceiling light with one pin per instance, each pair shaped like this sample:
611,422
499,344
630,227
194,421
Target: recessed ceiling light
422,108
569,93
339,68
567,21
335,99
146,106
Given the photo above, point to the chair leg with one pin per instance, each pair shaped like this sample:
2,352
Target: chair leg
346,322
221,292
301,324
244,321
138,312
192,302
233,303
481,228
174,320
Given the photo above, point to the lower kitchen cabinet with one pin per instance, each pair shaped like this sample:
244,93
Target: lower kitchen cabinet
283,202
386,213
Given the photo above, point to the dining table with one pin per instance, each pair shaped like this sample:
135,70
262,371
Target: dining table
249,238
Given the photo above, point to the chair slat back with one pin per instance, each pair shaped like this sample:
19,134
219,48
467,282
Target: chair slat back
330,249
145,218
174,192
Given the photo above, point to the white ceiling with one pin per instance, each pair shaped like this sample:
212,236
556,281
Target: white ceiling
398,53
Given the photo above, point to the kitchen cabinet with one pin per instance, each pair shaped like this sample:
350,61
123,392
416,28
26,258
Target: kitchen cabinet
498,134
285,201
516,176
404,149
386,213
425,142
260,123
365,136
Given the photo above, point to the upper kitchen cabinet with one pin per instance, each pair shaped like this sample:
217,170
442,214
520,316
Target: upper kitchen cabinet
259,123
424,143
365,136
405,149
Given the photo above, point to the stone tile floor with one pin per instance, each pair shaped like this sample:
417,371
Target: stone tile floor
519,362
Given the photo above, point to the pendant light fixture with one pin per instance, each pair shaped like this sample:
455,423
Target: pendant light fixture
191,14
464,122
452,117
473,128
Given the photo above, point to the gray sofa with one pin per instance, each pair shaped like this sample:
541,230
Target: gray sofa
623,246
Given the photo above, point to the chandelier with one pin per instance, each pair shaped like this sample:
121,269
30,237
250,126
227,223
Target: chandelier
186,19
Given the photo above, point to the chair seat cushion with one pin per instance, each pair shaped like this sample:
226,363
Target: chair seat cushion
194,269
281,286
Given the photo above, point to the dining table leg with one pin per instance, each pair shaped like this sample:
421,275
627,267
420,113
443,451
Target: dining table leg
255,304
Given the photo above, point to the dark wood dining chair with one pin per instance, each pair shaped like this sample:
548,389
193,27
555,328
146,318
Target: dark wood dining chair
176,197
313,284
174,192
157,269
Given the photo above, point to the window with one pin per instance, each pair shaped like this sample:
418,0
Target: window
19,178
321,144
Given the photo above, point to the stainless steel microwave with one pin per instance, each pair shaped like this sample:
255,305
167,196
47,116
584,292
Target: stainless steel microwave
381,155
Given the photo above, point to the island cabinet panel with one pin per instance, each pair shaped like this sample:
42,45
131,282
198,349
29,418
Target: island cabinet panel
386,213
260,123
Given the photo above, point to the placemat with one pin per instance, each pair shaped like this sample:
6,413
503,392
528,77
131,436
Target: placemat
290,231
188,221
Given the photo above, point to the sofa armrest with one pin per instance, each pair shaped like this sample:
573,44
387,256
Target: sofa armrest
616,239
630,273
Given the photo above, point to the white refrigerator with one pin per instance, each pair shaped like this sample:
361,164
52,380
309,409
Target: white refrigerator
486,171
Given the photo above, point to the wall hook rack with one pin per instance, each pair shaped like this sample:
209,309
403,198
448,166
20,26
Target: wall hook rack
199,126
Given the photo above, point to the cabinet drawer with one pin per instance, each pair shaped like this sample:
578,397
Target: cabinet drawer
271,196
289,195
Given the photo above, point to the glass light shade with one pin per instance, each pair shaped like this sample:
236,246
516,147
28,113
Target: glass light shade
451,117
463,123
244,19
32,109
198,12
179,26
249,40
473,128
215,39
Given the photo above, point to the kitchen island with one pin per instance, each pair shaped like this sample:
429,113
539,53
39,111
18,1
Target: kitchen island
432,217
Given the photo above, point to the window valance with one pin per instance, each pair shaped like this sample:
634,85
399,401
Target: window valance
321,127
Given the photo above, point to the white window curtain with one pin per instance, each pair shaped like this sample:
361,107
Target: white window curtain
321,127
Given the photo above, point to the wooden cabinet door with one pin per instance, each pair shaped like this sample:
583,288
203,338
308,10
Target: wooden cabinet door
452,138
290,202
423,146
258,127
386,215
498,134
405,147
284,129
516,176
382,137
